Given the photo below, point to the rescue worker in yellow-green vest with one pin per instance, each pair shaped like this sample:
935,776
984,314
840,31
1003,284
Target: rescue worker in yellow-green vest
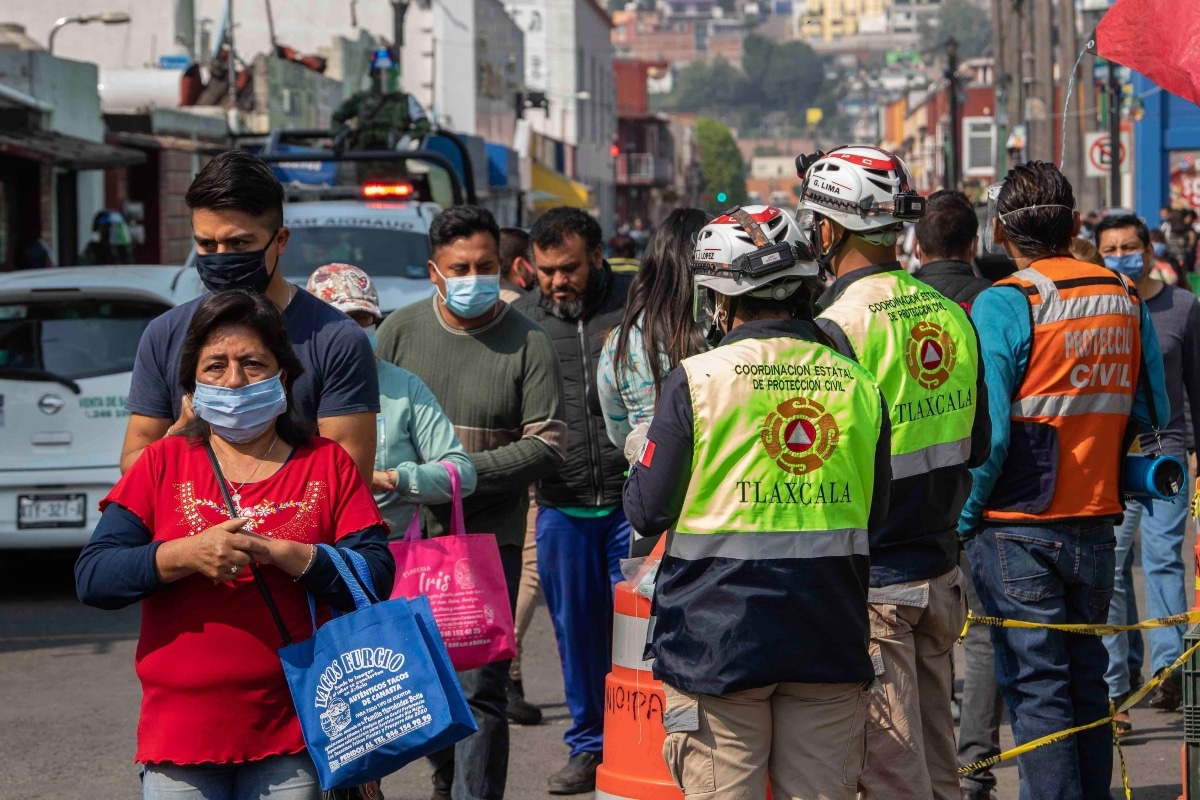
923,351
768,462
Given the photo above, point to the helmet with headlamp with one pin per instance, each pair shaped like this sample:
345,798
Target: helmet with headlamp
755,251
865,190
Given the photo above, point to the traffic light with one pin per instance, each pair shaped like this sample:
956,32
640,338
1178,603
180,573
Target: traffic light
615,150
722,197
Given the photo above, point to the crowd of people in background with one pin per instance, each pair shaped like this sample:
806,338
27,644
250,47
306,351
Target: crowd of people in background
566,388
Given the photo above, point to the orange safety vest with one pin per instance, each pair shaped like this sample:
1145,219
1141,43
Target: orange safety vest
1069,414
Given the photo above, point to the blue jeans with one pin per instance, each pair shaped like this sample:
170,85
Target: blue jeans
278,778
579,562
1051,681
1162,523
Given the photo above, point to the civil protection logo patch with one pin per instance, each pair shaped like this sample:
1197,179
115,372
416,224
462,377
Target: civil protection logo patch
800,435
930,354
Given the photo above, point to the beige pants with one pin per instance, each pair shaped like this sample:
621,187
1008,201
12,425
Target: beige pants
531,586
807,738
910,739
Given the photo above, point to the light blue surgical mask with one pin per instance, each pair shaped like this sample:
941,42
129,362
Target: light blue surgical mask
470,296
1160,249
371,337
243,414
1130,265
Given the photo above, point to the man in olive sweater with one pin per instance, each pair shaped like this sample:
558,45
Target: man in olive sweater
495,373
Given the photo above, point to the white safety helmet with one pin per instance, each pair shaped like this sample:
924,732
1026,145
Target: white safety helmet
757,251
866,190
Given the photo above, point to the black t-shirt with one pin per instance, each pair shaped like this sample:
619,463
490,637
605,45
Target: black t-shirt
339,366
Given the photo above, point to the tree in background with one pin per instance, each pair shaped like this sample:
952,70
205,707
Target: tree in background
966,22
776,77
721,165
781,76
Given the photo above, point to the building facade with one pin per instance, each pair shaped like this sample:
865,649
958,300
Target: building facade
462,60
569,59
52,153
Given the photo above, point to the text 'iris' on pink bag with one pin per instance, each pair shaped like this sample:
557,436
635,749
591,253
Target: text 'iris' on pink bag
463,578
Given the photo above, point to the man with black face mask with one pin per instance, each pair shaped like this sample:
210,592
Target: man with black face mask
582,533
237,219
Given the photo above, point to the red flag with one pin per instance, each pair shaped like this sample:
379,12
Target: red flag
1158,38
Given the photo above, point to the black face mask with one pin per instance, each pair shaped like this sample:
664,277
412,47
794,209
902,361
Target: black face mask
223,271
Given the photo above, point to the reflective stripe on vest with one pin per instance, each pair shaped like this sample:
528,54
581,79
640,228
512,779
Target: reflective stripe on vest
1062,405
924,353
784,460
770,546
1070,411
927,459
1052,307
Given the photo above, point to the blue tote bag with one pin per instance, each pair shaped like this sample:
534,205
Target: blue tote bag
374,688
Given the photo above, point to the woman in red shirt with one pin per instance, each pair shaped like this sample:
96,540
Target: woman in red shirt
217,719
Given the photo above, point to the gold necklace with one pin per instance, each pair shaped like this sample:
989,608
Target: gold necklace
237,490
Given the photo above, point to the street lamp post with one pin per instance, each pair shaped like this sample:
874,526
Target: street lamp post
106,17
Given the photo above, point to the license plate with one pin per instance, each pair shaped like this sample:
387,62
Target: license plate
51,510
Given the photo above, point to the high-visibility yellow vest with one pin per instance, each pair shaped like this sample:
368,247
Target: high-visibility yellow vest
924,353
786,432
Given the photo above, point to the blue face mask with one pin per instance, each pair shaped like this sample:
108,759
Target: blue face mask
1131,265
1160,249
471,296
240,415
370,332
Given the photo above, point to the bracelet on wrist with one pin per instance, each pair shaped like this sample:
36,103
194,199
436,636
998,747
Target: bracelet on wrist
312,556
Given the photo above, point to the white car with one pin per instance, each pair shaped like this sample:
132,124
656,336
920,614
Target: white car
68,339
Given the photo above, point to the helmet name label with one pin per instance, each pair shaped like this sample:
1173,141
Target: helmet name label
795,493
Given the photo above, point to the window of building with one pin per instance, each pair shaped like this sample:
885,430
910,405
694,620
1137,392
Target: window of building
979,146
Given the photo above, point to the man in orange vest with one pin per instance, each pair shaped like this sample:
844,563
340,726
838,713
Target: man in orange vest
1070,358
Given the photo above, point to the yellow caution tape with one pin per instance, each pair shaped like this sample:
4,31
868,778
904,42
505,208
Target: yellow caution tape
1112,714
1187,618
1129,703
1195,506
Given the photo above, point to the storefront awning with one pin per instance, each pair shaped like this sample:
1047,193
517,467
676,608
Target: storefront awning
552,189
69,152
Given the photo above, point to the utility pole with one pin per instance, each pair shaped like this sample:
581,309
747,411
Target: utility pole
954,154
1002,81
232,65
1042,44
1088,191
1114,134
1068,51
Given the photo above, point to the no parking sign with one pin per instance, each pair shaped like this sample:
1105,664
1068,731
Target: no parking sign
1100,153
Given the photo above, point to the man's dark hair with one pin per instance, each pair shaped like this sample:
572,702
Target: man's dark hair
553,227
256,312
622,246
948,226
1037,232
460,222
239,181
1124,221
514,244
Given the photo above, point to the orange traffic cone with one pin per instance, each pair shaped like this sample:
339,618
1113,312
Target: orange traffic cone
633,767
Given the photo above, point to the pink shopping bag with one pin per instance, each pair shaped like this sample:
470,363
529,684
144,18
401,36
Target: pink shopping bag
462,576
